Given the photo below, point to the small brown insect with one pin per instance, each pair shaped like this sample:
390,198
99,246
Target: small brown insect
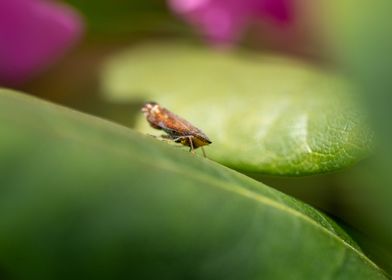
177,129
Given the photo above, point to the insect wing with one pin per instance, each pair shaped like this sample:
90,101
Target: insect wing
171,123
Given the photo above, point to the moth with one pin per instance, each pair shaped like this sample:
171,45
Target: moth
176,128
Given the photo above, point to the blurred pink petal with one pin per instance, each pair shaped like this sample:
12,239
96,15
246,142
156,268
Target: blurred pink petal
33,34
223,21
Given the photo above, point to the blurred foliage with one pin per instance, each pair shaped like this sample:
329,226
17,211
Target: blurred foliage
120,18
87,200
73,187
264,114
359,37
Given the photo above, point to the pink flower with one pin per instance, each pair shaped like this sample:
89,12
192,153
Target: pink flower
223,21
33,34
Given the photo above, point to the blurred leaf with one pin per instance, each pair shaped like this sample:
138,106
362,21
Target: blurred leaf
372,247
124,17
263,114
360,39
83,196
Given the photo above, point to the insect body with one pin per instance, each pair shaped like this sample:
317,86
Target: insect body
176,128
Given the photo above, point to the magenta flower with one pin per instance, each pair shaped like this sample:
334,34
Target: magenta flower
33,34
223,21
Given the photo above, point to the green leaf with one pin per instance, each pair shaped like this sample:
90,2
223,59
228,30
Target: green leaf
359,41
127,19
83,196
263,114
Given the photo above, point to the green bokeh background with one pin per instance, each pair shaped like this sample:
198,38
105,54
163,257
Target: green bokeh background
79,194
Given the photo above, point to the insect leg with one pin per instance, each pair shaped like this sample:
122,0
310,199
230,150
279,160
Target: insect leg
191,144
178,138
190,140
164,138
204,153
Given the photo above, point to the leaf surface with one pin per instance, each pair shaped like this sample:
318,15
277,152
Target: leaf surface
83,196
263,114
